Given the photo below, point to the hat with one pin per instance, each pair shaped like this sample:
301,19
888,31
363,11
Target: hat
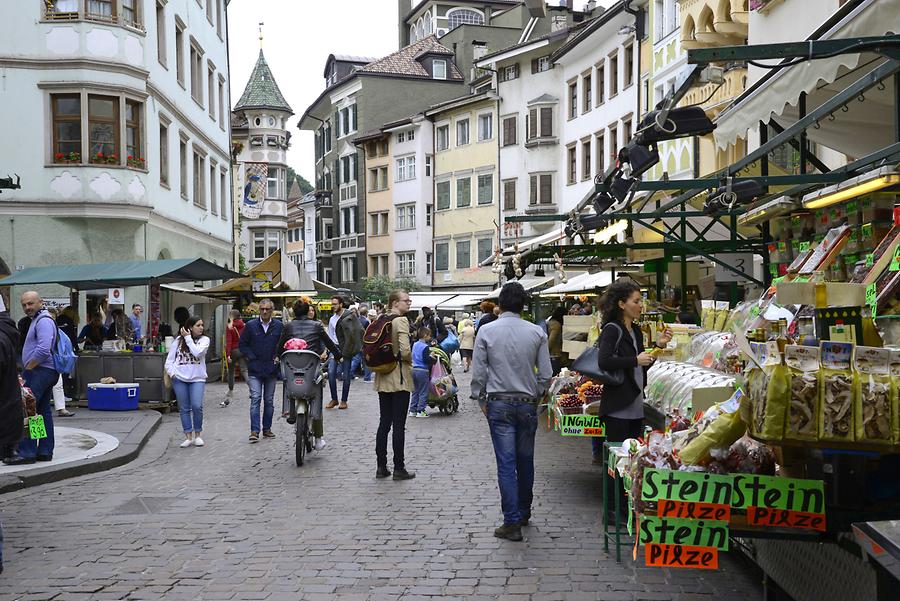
373,313
448,320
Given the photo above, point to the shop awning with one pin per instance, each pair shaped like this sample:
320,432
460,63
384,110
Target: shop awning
189,296
461,302
551,237
429,299
528,283
586,282
120,275
275,272
857,131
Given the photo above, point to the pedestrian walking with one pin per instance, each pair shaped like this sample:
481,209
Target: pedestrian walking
466,342
259,347
488,315
554,337
40,375
59,393
11,414
394,389
359,364
233,352
434,323
421,372
186,366
344,329
510,374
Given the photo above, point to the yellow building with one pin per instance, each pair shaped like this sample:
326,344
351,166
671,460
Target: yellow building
466,184
376,148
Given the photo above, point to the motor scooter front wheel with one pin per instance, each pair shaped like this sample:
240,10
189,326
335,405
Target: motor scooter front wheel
301,441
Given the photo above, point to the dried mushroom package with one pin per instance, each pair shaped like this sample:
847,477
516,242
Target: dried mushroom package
707,314
755,384
803,410
872,409
836,392
778,393
895,394
723,308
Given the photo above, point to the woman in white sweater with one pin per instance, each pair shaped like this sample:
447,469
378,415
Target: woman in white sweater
186,365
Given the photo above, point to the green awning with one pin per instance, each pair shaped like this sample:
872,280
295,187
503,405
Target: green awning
120,275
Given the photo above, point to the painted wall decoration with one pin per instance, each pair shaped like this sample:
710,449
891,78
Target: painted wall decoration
254,190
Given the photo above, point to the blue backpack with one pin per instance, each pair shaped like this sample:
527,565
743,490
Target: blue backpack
62,352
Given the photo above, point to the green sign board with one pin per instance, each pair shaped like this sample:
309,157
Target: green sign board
679,531
36,428
895,261
691,487
872,297
582,425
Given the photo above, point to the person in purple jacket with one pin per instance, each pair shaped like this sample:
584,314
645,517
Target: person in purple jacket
40,375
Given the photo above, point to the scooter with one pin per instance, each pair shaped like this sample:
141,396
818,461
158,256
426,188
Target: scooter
303,378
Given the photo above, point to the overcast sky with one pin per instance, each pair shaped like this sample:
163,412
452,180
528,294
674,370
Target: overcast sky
298,36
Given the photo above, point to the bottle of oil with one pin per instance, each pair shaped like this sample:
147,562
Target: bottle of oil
818,280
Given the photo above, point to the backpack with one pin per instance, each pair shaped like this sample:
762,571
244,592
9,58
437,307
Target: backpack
378,346
62,352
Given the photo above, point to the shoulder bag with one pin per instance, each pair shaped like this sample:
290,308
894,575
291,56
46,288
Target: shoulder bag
587,364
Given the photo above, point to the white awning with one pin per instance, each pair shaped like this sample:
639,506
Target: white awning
586,282
429,299
551,237
461,302
528,283
187,296
859,130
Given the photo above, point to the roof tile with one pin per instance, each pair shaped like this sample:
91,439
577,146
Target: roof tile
262,90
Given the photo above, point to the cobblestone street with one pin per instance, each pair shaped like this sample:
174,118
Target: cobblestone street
239,521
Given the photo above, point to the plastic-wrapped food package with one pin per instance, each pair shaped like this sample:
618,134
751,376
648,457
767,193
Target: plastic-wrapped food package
707,314
872,409
837,391
656,453
803,410
895,393
722,431
722,311
746,456
756,383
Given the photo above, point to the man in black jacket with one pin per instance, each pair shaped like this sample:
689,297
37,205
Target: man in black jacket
317,341
11,414
434,323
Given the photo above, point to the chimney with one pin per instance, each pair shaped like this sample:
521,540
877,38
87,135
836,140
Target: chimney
403,8
569,5
590,6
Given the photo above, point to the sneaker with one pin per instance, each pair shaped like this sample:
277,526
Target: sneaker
421,414
412,414
65,413
254,437
320,444
268,434
511,532
198,442
331,405
186,443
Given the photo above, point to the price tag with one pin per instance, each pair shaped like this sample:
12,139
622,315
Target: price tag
36,429
867,231
872,297
870,260
804,246
895,262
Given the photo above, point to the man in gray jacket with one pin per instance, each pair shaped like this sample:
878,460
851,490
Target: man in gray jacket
344,329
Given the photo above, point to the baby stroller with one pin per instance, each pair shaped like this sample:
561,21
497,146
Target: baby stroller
302,374
442,392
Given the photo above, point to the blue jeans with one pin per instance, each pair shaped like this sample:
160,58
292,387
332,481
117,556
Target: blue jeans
41,381
344,367
421,383
513,426
190,404
257,387
358,362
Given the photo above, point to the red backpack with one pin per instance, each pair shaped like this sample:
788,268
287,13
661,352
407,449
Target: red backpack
378,345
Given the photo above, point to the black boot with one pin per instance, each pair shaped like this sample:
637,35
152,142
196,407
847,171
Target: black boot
382,472
400,473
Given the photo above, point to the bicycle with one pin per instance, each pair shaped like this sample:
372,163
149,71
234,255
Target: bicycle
303,378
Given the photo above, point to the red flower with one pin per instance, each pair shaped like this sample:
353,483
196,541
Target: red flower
130,158
58,156
99,155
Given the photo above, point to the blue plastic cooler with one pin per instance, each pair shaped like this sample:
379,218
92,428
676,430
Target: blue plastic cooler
113,397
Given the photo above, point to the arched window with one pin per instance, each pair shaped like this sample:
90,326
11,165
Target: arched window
461,16
428,28
412,34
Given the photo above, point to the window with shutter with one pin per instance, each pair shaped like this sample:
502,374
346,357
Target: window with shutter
546,122
533,192
534,65
532,124
509,195
546,189
443,195
509,131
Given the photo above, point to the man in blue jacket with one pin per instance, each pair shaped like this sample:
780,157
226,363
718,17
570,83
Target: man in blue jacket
259,346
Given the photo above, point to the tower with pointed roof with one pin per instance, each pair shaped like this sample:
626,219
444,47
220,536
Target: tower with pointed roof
260,141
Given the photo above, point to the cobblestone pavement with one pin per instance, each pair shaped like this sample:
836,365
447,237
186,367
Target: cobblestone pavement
238,521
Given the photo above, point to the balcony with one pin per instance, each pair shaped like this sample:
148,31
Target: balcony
84,10
709,23
733,86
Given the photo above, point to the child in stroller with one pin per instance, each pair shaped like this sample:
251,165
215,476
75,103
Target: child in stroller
443,389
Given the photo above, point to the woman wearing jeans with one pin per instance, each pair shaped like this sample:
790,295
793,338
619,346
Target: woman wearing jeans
186,365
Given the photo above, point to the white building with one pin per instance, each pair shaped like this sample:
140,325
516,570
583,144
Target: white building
600,100
413,175
260,139
307,205
116,120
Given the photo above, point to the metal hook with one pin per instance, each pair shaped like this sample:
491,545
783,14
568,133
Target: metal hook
861,97
881,85
816,125
845,109
831,117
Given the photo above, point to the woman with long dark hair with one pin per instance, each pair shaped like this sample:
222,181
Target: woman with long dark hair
186,365
554,337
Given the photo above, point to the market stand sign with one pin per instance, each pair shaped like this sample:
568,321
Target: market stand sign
582,425
678,556
682,532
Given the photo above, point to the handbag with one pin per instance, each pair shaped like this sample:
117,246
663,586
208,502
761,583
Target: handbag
587,364
450,344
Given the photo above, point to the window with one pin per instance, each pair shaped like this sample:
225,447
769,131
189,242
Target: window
443,195
209,10
629,65
541,64
485,127
219,17
163,154
259,245
101,10
626,129
540,189
213,202
587,92
211,90
348,221
272,183
428,163
66,127
406,264
439,69
379,265
373,179
179,51
406,217
540,122
379,223
348,167
221,102
183,166
509,195
484,250
442,256
411,135
486,189
601,82
463,192
103,128
347,120
462,16
443,137
161,33
613,74
130,14
326,136
509,73
348,269
401,137
199,180
462,132
601,153
197,74
134,153
463,254
509,130
223,195
571,165
586,159
428,263
406,168
429,215
573,100
613,142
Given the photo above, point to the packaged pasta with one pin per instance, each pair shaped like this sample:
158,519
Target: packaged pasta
777,394
803,410
836,392
872,409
